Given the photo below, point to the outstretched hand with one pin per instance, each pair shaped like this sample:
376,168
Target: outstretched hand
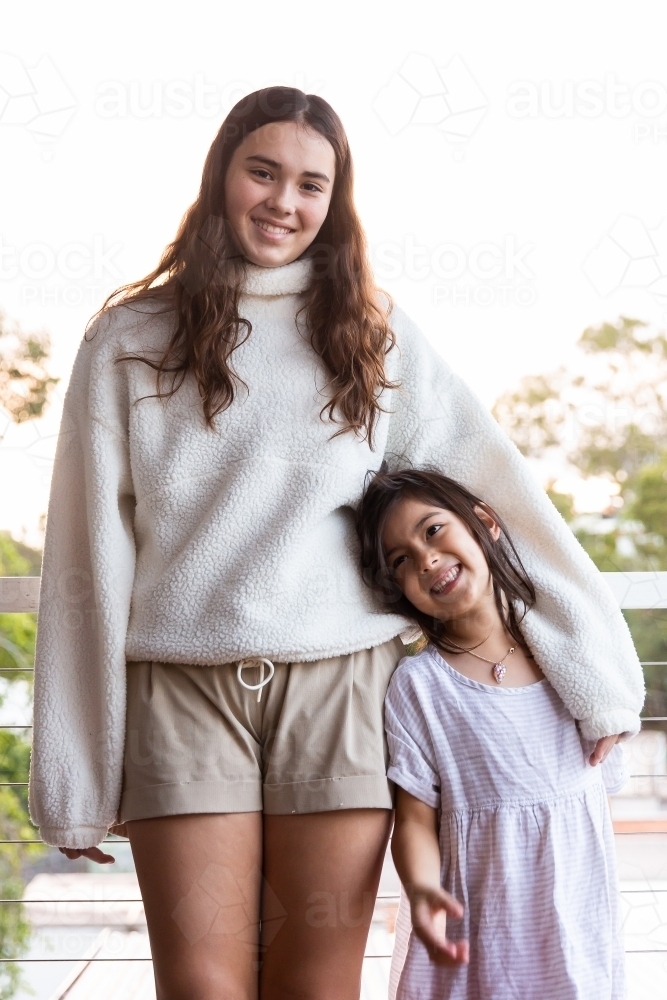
602,749
430,908
93,853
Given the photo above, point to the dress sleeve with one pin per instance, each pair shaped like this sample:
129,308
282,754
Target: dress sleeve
411,758
575,631
87,577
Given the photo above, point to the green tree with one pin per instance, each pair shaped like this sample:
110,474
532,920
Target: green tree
17,631
606,415
25,389
14,825
17,647
25,383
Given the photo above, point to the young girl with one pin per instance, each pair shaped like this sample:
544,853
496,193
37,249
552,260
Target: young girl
502,824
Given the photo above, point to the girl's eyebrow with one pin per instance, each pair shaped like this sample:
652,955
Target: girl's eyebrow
418,525
265,159
278,166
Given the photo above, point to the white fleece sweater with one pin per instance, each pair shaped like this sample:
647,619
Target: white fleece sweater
170,541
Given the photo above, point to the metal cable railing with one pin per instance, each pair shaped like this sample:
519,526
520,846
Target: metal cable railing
19,594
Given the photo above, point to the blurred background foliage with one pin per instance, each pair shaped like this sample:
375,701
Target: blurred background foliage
606,415
17,649
25,383
25,388
17,632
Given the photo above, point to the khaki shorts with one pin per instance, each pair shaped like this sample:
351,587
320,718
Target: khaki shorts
197,741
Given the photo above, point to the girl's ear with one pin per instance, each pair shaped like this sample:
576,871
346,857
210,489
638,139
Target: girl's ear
487,518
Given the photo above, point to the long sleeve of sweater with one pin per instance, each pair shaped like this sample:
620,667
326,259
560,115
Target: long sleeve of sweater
576,630
87,580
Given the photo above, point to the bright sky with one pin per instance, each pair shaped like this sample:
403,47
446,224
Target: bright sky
510,159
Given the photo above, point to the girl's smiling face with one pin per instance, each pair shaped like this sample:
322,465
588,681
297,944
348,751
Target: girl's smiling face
277,191
435,560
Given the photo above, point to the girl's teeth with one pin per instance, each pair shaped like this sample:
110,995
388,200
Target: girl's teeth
449,576
272,229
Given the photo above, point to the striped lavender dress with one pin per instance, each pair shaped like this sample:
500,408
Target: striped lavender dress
525,837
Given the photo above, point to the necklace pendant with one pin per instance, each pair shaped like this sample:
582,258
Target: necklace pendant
499,671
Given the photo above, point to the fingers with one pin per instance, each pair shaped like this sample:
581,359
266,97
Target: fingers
602,749
438,900
93,853
450,905
444,952
463,953
429,921
454,953
430,911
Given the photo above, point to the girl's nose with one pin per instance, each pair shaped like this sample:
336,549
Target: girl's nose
282,201
427,560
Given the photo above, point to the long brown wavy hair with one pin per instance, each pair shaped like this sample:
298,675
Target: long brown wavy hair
200,277
513,591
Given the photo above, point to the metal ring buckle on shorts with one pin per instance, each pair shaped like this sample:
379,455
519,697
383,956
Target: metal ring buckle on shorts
255,661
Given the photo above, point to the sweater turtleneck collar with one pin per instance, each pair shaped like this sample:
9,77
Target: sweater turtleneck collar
290,279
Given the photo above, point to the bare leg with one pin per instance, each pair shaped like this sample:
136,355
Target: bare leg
322,871
200,880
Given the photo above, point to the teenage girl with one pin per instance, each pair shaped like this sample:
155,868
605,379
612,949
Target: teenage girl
210,668
502,824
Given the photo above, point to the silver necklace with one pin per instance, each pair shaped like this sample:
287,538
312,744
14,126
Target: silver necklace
499,668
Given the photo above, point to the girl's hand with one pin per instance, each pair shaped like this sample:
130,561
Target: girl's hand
602,749
430,908
93,853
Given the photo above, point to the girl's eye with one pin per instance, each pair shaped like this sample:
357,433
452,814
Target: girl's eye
264,174
313,187
431,530
397,562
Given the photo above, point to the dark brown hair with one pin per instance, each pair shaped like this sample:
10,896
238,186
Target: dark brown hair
513,591
201,273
